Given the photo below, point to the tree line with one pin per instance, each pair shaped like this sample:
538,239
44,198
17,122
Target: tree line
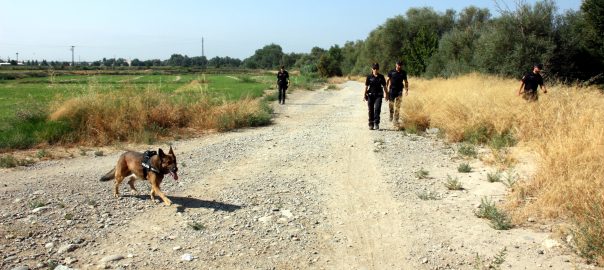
441,44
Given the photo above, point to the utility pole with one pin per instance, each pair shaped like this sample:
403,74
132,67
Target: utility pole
17,58
72,61
202,49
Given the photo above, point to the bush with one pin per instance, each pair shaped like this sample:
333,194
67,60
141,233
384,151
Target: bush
488,210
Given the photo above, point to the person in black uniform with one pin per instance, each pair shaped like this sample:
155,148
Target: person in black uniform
282,83
375,90
530,83
396,78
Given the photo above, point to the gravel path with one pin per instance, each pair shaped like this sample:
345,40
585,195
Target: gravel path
315,190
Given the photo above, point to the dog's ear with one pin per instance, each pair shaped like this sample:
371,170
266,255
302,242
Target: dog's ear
161,153
171,152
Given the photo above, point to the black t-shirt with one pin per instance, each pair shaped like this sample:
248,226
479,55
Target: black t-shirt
396,80
532,81
282,77
375,84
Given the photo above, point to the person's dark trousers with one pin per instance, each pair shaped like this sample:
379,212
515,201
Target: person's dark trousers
374,104
282,90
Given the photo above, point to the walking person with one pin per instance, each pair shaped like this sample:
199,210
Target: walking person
396,78
530,82
375,90
282,83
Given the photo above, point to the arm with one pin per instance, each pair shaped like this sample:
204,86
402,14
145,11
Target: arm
365,95
406,87
521,87
386,95
544,89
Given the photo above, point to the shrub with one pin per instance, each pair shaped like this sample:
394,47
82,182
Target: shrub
464,168
467,150
488,210
453,183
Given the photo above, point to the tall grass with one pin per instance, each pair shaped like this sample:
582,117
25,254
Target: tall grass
103,118
565,127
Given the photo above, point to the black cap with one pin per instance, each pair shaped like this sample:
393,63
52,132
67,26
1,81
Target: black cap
538,65
375,66
400,63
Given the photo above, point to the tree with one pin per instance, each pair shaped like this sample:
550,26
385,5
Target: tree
329,63
268,57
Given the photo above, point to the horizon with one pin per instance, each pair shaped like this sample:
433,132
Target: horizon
156,30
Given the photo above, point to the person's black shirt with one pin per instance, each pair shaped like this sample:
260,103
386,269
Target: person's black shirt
532,81
396,80
282,77
375,84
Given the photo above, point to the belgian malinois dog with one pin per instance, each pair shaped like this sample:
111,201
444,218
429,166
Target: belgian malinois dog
149,166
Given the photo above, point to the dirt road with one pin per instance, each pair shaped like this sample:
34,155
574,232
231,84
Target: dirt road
315,190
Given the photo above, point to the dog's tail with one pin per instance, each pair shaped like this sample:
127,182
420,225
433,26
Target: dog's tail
108,176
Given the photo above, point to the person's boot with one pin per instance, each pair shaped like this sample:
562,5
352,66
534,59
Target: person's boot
376,126
370,126
390,117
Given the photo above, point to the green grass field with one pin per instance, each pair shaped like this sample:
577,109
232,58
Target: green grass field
27,104
36,93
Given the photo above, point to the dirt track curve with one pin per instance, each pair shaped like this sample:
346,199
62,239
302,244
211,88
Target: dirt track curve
315,190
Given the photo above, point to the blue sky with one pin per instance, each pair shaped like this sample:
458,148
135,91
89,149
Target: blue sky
45,29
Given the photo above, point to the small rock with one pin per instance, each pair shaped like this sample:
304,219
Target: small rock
40,209
551,243
176,248
287,214
21,268
111,258
186,257
49,245
424,260
540,252
70,260
266,219
67,248
62,267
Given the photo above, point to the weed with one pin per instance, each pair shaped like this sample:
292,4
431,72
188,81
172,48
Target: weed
588,233
36,204
453,183
183,164
82,152
494,177
332,87
510,178
467,150
421,174
488,210
494,263
502,140
8,161
478,134
196,226
68,216
464,168
427,195
42,153
99,153
90,202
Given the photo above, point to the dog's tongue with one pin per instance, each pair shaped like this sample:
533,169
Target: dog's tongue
174,175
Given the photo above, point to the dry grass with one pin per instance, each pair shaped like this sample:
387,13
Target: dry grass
565,127
104,118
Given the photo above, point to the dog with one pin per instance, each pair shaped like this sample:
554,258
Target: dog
149,165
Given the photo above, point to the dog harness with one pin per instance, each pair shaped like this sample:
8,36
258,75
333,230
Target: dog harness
147,163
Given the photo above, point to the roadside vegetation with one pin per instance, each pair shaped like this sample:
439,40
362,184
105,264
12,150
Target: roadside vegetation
100,110
564,128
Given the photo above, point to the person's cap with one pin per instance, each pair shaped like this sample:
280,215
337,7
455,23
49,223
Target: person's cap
400,63
282,67
375,66
539,66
